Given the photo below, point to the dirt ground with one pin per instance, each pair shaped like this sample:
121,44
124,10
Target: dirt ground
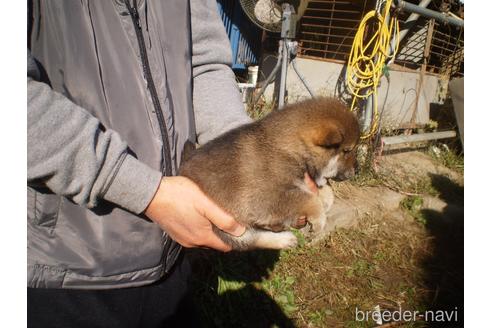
402,175
394,240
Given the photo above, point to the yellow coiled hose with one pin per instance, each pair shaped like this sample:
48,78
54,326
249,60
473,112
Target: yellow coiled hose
367,59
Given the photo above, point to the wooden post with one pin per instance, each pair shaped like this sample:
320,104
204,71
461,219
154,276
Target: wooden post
423,69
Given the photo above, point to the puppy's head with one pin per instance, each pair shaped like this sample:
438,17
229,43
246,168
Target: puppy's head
331,137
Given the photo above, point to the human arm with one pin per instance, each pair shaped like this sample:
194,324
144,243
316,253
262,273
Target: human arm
216,98
70,154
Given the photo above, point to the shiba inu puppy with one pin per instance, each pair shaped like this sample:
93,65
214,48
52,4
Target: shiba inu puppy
267,173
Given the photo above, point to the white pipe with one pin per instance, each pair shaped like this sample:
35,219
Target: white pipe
394,140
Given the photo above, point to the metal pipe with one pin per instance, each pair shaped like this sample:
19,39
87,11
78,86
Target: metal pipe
272,74
303,80
287,33
410,22
368,114
283,75
394,140
409,7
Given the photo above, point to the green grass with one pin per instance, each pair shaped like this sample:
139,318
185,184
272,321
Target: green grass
317,318
413,205
409,263
360,268
260,109
448,157
410,184
224,286
316,285
280,289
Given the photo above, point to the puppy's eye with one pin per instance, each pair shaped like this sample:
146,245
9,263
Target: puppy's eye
332,146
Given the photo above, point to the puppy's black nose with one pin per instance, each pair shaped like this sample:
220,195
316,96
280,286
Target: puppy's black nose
347,174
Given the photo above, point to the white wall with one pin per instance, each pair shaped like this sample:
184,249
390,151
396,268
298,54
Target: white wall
397,108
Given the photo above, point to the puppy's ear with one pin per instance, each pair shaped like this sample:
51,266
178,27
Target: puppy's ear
333,137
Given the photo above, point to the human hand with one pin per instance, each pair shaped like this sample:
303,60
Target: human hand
181,209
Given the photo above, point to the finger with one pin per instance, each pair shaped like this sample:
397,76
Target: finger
221,219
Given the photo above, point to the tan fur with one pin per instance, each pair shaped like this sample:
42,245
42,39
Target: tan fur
256,172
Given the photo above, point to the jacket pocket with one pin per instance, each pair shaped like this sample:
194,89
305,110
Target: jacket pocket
43,208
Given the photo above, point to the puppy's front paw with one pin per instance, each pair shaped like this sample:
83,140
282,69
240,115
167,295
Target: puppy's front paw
327,197
318,225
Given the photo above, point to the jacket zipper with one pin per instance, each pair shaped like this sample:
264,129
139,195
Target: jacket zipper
166,166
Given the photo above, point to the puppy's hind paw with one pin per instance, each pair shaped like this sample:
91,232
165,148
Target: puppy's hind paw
276,240
288,240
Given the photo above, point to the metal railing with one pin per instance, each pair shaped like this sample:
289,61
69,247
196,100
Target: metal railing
328,27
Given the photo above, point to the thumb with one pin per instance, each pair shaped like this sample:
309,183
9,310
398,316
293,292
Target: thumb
221,219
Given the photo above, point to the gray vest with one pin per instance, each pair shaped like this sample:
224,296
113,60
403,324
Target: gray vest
90,53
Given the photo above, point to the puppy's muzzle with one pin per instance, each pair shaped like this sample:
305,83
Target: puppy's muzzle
347,174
